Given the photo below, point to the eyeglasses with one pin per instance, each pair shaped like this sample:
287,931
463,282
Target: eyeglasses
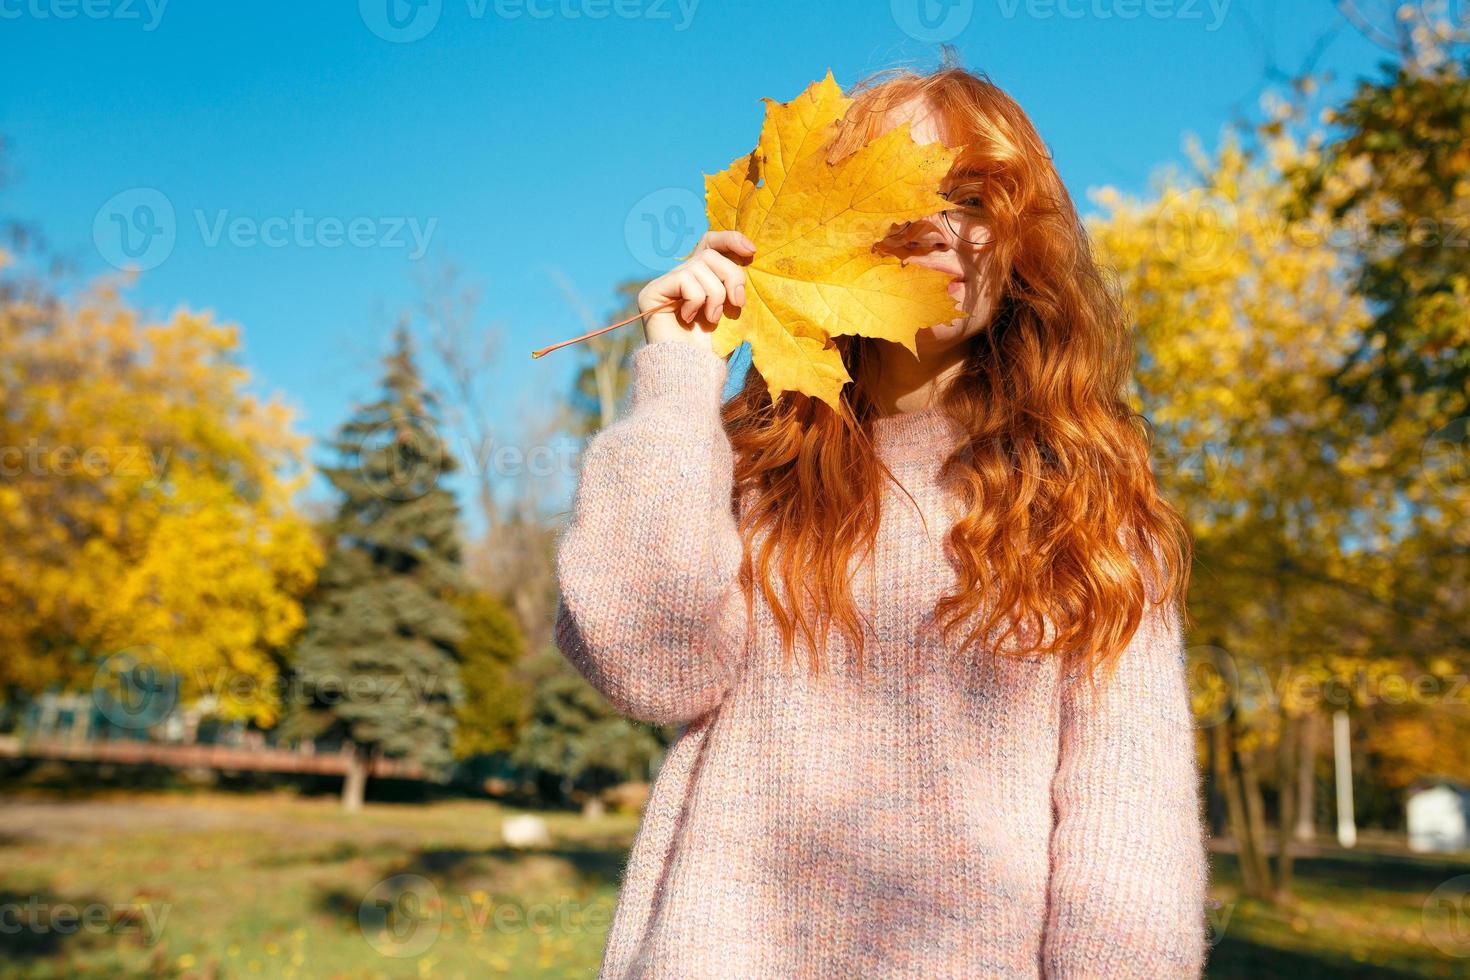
965,216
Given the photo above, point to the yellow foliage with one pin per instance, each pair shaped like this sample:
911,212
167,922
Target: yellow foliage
147,505
1242,318
815,274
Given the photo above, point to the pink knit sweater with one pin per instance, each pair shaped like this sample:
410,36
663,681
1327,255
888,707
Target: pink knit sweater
968,817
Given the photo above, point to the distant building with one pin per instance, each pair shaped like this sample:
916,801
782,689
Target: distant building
1437,813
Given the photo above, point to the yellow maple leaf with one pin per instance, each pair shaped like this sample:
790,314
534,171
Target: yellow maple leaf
815,274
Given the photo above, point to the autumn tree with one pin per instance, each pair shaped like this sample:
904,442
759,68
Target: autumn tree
1295,493
147,504
378,664
1399,162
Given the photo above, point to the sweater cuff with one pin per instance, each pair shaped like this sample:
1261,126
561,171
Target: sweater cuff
672,367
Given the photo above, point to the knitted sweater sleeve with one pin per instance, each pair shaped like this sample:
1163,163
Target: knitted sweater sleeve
650,611
1129,869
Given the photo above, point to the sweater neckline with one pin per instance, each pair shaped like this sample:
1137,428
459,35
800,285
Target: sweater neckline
928,432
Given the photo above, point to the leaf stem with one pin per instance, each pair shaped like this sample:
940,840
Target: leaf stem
667,304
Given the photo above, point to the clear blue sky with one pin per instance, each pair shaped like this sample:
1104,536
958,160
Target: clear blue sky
520,137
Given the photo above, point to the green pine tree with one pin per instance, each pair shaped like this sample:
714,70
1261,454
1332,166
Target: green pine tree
378,664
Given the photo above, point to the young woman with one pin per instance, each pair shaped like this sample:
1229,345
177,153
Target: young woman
980,761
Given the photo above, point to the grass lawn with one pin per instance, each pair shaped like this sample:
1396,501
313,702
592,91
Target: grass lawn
219,885
1355,914
283,886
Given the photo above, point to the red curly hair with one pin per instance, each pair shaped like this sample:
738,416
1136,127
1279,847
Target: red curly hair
1061,508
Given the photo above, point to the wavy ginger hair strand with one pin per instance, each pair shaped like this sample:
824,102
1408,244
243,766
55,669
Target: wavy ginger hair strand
1058,495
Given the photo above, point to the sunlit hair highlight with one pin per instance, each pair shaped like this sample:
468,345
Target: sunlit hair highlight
1063,523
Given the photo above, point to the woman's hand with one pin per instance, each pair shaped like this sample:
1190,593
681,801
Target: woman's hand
705,284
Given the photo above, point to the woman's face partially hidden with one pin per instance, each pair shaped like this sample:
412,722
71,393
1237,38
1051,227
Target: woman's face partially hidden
930,242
